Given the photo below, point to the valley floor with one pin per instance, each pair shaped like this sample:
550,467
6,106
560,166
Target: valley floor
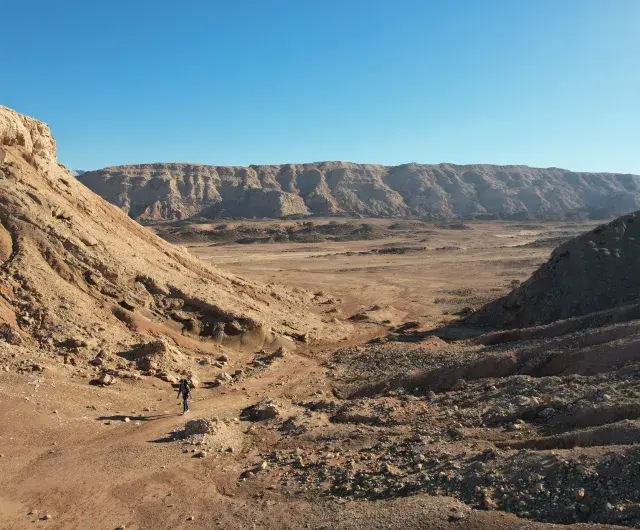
389,428
424,270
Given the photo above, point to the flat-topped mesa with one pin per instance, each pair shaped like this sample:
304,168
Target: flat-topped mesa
173,191
74,269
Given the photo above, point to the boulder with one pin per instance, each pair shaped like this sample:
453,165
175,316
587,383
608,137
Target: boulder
99,359
263,410
147,364
10,334
107,379
221,378
233,328
156,355
169,378
198,426
74,343
157,347
89,240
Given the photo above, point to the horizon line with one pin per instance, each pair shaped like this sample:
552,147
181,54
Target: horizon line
344,162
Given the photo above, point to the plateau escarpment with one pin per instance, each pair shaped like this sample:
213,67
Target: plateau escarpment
176,191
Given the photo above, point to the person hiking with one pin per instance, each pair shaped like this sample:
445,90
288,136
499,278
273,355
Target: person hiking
184,390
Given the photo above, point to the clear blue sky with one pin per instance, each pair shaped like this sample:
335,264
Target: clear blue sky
537,82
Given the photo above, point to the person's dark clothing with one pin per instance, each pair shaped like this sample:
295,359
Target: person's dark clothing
184,390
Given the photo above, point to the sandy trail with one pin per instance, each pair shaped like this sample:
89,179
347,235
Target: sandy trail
91,473
62,463
88,472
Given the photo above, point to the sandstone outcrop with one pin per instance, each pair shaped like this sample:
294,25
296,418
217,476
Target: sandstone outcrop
78,276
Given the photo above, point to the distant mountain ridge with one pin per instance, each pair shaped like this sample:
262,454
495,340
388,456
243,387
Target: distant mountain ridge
173,191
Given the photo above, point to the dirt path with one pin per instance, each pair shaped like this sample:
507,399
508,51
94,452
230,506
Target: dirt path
87,468
62,462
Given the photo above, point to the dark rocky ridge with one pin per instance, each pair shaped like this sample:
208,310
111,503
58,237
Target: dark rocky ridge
593,272
173,191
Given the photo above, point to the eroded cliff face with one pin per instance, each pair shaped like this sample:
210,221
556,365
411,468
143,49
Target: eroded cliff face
180,191
31,136
76,270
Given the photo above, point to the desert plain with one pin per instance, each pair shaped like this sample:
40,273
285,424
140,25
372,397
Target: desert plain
107,457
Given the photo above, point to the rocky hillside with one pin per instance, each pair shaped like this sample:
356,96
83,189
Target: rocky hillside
179,191
595,271
77,276
540,419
